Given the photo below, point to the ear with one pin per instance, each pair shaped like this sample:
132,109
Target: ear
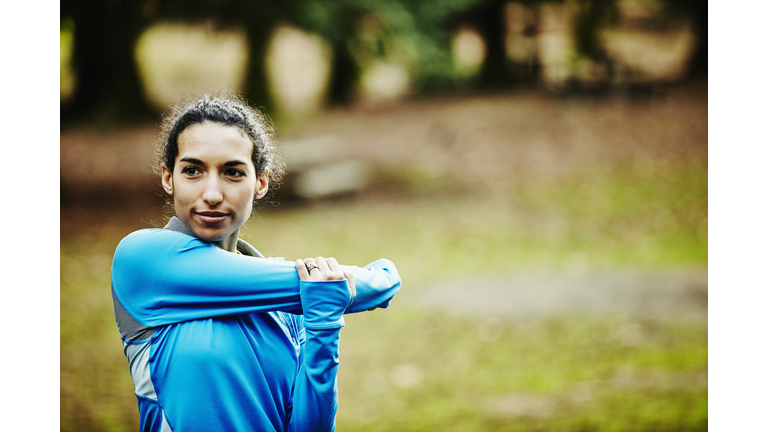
262,184
167,180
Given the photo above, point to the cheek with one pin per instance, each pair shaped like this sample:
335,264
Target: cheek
183,192
246,197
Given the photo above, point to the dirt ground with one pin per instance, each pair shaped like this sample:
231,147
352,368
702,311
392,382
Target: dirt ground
635,295
478,139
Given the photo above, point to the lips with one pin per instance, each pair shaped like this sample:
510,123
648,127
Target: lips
212,217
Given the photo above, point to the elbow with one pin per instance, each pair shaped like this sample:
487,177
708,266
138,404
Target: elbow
390,272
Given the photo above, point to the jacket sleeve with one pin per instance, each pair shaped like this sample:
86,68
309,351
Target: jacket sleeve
162,277
375,283
314,401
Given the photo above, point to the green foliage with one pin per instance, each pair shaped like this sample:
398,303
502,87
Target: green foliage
417,34
66,76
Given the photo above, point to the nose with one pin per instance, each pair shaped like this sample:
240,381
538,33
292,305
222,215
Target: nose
212,194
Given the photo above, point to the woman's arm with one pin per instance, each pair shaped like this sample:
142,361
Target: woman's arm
325,295
162,277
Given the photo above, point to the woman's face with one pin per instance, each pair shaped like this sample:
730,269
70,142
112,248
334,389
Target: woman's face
214,181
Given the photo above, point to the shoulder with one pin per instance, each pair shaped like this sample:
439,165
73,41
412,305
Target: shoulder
149,254
148,244
156,237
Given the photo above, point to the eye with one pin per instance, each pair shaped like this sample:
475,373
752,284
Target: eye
191,170
233,172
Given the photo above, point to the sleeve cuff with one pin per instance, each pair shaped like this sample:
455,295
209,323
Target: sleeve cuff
324,303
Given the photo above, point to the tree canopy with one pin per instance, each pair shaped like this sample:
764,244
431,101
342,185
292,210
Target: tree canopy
419,33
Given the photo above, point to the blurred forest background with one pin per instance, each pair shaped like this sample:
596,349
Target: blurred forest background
537,170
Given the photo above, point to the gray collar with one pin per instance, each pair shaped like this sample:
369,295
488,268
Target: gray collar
175,224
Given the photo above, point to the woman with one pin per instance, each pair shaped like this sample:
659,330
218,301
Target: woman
216,338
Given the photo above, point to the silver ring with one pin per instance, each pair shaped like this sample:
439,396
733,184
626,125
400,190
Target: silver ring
311,266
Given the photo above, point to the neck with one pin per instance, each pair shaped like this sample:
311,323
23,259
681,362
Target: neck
229,243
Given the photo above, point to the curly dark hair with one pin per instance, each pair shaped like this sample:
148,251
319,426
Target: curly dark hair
227,109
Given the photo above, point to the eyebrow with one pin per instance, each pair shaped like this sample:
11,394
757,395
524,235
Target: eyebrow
191,160
199,162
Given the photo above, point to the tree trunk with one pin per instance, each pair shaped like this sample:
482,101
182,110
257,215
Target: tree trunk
490,22
108,87
699,65
344,75
256,88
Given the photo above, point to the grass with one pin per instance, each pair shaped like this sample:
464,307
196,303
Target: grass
415,369
96,390
436,372
629,218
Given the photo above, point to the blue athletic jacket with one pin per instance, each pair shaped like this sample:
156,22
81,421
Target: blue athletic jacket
218,341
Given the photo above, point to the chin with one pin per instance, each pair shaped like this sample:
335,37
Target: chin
211,235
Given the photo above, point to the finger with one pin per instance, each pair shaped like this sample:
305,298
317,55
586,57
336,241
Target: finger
312,268
336,269
323,266
301,268
333,265
350,283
